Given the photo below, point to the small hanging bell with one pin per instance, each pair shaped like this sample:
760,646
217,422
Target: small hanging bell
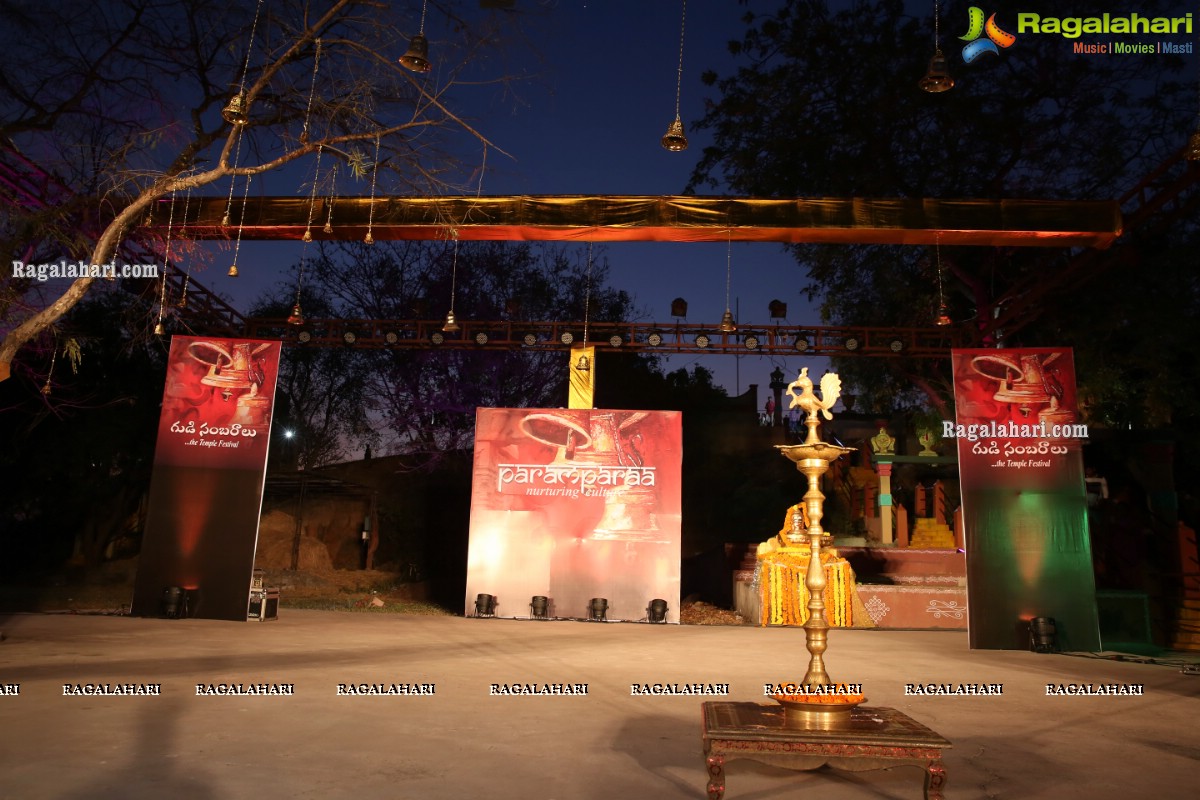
937,77
727,324
417,57
369,239
234,111
1193,147
328,227
583,365
159,329
943,316
451,325
674,140
233,271
297,316
307,237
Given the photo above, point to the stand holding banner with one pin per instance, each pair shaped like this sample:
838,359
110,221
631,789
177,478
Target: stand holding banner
1024,504
206,490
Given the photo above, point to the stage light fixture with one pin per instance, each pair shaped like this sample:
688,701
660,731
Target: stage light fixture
174,602
702,340
539,607
751,342
485,605
615,340
896,345
1043,635
529,339
391,337
304,337
801,344
567,338
777,309
349,337
598,609
851,343
654,339
679,307
657,610
437,337
481,338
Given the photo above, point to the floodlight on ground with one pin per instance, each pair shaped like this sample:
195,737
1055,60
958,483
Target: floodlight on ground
485,605
539,607
598,609
1043,635
657,610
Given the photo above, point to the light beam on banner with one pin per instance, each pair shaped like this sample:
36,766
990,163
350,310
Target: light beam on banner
582,384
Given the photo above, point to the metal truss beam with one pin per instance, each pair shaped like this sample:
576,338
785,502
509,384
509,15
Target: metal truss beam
640,337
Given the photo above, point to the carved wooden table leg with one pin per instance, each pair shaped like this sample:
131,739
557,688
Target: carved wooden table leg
935,780
716,777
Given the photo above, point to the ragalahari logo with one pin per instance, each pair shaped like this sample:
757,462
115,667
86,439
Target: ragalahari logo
996,38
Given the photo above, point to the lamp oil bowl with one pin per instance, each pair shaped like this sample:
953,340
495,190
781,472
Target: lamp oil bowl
817,706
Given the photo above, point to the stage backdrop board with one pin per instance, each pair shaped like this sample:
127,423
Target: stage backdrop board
1024,504
209,466
574,504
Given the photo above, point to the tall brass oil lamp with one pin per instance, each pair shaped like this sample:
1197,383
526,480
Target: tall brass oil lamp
812,459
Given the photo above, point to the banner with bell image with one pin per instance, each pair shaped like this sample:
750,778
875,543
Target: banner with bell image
206,490
575,505
1024,505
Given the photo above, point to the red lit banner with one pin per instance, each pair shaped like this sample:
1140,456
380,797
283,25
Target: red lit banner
209,466
1024,505
575,505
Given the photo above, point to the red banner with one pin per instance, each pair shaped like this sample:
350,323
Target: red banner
1024,506
209,466
576,504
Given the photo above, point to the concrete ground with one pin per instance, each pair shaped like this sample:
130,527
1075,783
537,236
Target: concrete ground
463,743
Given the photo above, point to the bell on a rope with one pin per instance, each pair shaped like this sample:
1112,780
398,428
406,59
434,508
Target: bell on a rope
674,140
727,324
937,77
328,227
369,239
46,387
1193,147
225,220
417,57
159,329
233,271
943,316
234,111
297,316
307,237
182,301
583,365
451,325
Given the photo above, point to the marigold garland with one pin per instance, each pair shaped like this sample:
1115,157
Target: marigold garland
785,597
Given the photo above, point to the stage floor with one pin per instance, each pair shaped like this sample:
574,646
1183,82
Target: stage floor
464,742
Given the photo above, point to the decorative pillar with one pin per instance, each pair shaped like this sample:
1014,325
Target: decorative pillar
885,501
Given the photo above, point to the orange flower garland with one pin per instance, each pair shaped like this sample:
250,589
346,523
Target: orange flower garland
785,597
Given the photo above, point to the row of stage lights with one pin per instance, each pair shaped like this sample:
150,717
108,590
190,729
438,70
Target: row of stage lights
751,341
597,610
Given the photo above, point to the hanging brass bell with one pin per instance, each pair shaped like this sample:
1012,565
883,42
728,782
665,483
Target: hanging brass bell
234,111
159,329
417,57
1193,147
674,140
937,77
451,325
307,237
943,316
369,239
297,316
727,323
233,271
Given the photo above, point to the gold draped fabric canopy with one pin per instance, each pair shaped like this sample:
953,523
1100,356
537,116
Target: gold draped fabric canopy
612,218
